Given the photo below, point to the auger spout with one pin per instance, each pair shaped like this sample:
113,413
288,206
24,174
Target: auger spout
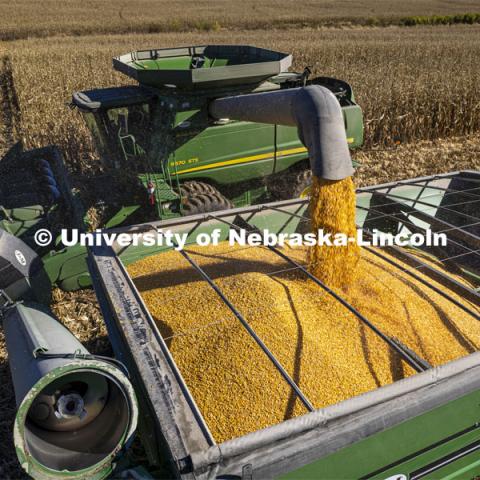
316,113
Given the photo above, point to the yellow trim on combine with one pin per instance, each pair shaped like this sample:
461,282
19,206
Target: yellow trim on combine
253,158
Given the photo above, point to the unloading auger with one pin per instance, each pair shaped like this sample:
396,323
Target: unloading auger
313,109
75,411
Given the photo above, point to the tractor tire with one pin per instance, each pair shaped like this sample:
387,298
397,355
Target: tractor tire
189,189
205,202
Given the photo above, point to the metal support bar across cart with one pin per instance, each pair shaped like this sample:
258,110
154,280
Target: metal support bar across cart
251,332
414,360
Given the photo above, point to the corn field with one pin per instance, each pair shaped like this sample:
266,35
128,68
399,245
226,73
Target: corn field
31,18
412,83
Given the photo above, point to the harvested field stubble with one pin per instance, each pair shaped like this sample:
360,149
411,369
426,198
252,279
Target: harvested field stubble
413,84
323,347
9,466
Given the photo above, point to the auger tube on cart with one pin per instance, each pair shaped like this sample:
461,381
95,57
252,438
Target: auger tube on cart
76,412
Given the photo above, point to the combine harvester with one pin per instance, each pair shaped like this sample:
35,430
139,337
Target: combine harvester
164,140
423,426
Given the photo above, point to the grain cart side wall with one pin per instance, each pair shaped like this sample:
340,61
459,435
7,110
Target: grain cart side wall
316,113
421,423
171,424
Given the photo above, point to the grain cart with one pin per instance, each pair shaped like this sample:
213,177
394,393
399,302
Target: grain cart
422,426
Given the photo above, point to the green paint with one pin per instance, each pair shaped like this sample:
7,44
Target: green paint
172,139
121,216
408,438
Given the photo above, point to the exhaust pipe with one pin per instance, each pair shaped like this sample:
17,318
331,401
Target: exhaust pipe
75,411
316,113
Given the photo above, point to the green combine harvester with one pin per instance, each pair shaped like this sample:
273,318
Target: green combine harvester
188,159
210,128
166,152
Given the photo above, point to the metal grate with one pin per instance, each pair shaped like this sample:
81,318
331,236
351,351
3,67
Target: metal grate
449,215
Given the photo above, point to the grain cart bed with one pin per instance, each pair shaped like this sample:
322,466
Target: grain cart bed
422,426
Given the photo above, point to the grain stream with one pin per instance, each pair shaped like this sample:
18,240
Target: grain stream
332,210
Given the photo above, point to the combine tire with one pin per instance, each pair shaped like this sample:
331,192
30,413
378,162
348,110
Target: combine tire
292,185
189,189
201,197
302,184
